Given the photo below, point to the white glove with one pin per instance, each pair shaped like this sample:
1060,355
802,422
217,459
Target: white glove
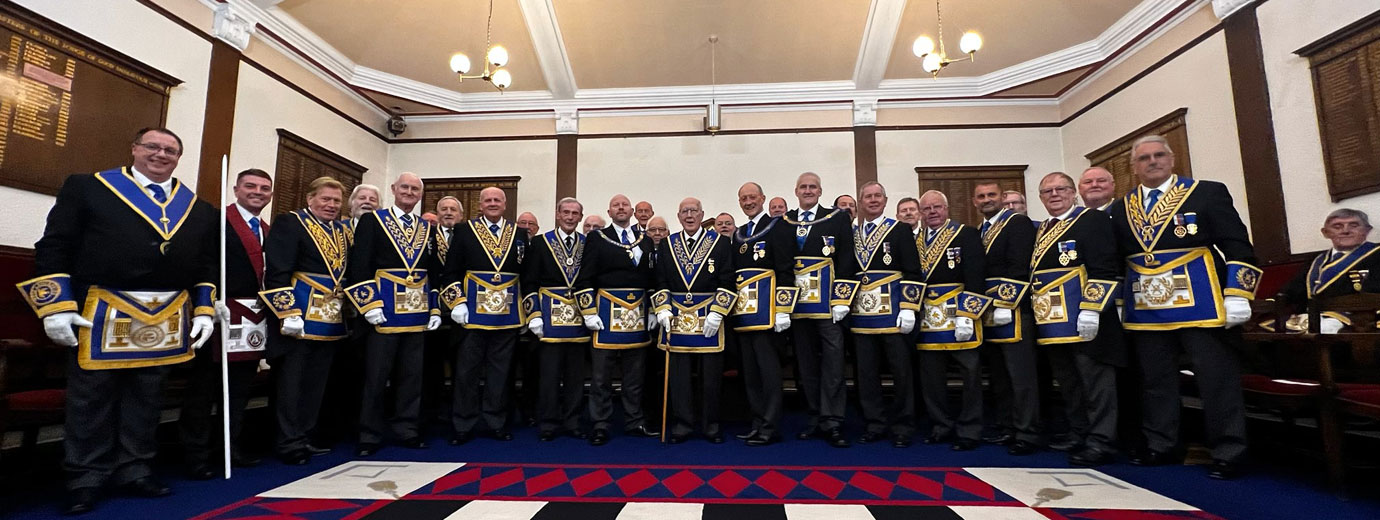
58,327
963,328
375,317
838,312
1238,310
222,312
263,365
664,318
1121,313
433,323
202,326
711,324
783,322
1087,324
1001,316
906,321
652,323
293,326
460,314
1330,325
594,322
535,326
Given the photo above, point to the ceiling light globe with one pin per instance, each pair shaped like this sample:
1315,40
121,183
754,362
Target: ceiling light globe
460,63
498,56
922,46
932,63
970,42
502,79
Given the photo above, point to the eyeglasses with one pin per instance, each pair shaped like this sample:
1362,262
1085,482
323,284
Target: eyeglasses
1051,191
155,148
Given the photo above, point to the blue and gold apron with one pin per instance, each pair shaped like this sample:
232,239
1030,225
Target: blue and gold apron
318,298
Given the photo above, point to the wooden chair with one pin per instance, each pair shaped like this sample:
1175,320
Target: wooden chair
1360,395
32,394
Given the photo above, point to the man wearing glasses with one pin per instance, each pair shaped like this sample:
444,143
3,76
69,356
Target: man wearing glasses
124,274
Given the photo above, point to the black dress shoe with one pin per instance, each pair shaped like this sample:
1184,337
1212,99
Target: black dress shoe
937,438
964,445
716,438
457,439
80,500
763,441
1064,443
752,434
871,437
836,438
414,443
315,450
900,441
1022,448
366,449
1091,456
578,434
675,438
645,431
806,434
546,436
240,460
600,437
1223,470
297,458
145,487
503,435
1000,439
1149,457
201,472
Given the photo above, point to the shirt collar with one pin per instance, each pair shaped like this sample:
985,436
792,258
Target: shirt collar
144,181
398,212
1164,188
877,221
246,215
501,222
756,220
1067,213
814,211
993,220
618,231
696,237
1104,207
561,234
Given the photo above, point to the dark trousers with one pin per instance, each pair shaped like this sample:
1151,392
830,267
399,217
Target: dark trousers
632,363
340,408
1216,368
819,357
524,379
871,350
1091,400
1015,383
487,354
711,368
562,367
934,385
762,378
396,358
112,418
438,354
300,368
197,425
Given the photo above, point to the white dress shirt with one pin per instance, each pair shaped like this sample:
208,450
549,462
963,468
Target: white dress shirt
144,183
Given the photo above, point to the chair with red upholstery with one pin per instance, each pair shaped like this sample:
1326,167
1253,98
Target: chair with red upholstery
31,388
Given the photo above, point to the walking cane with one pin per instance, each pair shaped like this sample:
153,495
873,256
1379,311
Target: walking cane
665,392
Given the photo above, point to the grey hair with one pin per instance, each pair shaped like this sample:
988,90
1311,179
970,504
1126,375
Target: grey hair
360,187
565,200
450,197
1152,138
871,183
941,195
1017,193
1348,213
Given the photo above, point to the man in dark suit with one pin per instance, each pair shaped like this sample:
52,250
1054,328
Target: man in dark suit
614,283
391,274
1181,238
305,277
244,264
951,260
1072,290
441,343
764,253
1348,267
550,306
483,277
824,272
1008,238
694,292
123,235
884,304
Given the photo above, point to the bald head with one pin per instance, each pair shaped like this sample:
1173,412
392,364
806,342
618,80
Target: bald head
407,190
642,211
620,210
1097,187
934,209
528,221
493,202
657,229
690,213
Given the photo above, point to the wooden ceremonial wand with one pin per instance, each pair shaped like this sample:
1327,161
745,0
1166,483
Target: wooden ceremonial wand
665,391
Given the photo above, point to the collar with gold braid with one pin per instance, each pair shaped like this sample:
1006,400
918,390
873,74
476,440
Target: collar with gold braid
1322,274
933,251
495,248
1147,228
1003,217
567,261
689,263
410,244
331,240
1048,235
866,248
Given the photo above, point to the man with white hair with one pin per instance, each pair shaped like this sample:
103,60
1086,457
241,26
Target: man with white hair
363,199
552,312
1350,266
592,223
390,276
1097,188
1189,278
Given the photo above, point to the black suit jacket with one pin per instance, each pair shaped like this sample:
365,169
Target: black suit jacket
905,258
241,280
667,278
467,254
539,267
1296,291
1219,228
95,237
1098,255
606,264
778,243
840,226
971,268
290,249
373,250
1009,249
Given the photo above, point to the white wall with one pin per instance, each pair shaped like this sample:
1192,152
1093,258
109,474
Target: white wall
1197,79
263,105
533,160
1285,26
899,152
665,170
133,29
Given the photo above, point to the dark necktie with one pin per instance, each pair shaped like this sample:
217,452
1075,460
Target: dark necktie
254,226
407,220
1336,255
986,225
1152,199
869,228
493,228
799,238
158,193
689,244
747,230
625,239
1049,224
929,237
569,242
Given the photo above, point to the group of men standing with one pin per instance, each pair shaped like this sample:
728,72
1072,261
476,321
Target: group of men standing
1121,281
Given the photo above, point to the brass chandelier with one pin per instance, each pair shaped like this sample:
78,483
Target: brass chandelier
494,55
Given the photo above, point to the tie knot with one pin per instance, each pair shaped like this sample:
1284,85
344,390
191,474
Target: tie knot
158,193
869,227
569,240
493,228
407,219
806,215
